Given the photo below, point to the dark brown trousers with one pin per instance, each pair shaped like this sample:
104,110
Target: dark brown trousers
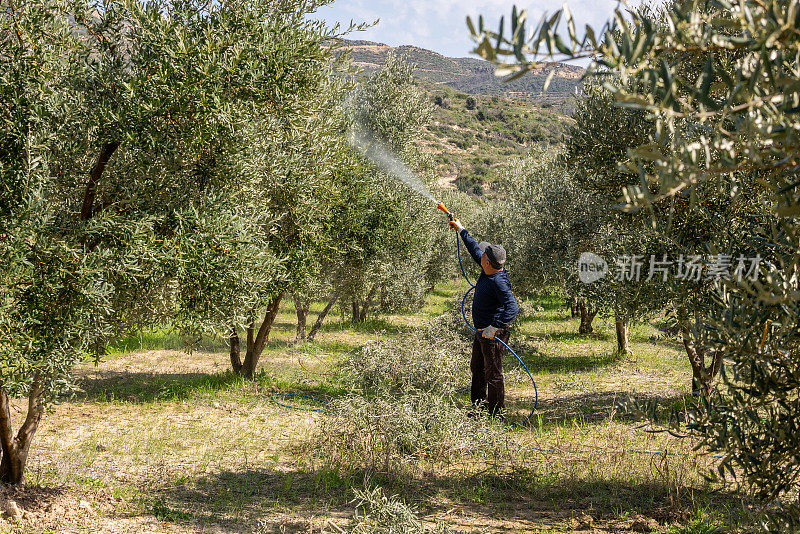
487,371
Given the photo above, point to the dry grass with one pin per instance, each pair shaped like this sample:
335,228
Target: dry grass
159,440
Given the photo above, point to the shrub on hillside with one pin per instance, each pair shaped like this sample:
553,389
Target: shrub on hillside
441,101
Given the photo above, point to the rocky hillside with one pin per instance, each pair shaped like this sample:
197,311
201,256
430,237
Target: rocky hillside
471,137
480,123
471,75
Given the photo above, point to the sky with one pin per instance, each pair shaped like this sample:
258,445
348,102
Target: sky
440,25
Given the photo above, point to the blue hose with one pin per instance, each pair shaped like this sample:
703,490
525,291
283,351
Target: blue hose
279,403
464,315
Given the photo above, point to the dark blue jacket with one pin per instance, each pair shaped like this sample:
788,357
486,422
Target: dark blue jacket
494,303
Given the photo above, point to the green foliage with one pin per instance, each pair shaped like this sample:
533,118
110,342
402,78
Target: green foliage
544,221
382,229
403,412
420,360
702,525
163,512
593,147
391,106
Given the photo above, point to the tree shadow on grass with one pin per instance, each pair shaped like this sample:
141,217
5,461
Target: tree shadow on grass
441,293
143,388
294,500
321,346
30,497
585,408
370,326
573,337
539,362
531,500
256,499
164,338
666,342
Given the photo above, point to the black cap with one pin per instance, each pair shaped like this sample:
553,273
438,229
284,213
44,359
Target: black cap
495,253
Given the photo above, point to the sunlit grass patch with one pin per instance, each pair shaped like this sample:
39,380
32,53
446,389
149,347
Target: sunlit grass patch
161,338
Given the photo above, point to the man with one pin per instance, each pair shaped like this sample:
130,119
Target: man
493,308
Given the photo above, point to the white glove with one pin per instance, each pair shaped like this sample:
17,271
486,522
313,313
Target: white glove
455,224
489,332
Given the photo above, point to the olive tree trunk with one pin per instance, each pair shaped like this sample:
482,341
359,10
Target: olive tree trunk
622,327
702,375
318,323
573,307
87,207
301,308
587,316
361,308
256,341
15,449
236,351
368,303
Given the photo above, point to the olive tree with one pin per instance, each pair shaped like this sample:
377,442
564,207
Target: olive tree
119,122
385,236
721,82
295,166
537,220
546,221
595,144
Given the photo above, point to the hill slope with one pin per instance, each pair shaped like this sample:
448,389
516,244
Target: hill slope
470,75
471,137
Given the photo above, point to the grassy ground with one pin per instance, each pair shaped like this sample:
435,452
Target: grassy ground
161,440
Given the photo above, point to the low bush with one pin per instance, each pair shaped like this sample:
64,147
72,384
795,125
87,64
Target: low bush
431,359
377,513
528,309
403,434
409,407
452,320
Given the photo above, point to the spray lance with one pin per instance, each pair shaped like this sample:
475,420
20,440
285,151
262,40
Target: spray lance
441,207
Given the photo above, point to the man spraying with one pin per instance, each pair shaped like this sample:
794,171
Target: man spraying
493,308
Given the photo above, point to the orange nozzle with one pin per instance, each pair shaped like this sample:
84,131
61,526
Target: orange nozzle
441,207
